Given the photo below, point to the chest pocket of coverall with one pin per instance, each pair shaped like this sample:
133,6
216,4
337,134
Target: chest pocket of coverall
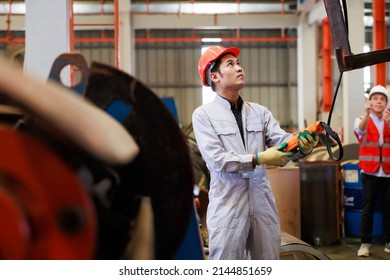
255,132
226,132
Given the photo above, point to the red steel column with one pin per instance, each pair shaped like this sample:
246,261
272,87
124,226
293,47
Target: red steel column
326,66
379,39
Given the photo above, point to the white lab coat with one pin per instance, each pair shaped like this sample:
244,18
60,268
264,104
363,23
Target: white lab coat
242,219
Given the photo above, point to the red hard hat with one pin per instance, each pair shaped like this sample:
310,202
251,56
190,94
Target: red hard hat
211,55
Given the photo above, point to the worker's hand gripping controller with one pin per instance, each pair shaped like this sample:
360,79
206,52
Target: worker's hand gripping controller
305,144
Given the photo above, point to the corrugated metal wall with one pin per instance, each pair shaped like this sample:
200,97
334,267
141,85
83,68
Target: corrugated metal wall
172,72
170,69
103,52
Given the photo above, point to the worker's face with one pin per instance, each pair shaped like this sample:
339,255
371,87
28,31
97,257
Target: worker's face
230,74
378,103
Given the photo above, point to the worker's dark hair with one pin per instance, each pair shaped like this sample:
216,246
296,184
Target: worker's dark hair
215,69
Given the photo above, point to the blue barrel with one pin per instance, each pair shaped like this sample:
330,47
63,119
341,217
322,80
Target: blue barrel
352,178
352,223
353,201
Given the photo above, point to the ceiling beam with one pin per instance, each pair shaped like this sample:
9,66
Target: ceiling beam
247,21
153,21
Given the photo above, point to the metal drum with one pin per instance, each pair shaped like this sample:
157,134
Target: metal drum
292,248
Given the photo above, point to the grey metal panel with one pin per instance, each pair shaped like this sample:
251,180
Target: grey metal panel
171,66
190,72
150,64
279,100
161,67
251,62
272,65
142,60
265,62
170,69
282,66
294,107
96,51
293,62
189,100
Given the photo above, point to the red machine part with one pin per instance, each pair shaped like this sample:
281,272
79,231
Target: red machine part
14,235
45,213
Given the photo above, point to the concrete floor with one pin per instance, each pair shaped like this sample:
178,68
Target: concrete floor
347,248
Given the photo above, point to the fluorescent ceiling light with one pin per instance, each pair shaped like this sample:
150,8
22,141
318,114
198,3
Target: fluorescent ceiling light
211,40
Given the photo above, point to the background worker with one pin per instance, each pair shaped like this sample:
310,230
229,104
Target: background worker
233,136
373,133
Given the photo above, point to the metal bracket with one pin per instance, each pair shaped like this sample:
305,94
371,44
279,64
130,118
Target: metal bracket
346,60
76,60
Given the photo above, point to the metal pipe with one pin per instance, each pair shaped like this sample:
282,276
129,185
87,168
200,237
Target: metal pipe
116,32
71,26
224,39
168,39
12,40
9,35
102,13
71,42
94,40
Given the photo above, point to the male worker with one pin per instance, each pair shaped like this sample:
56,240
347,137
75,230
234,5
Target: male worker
232,136
372,131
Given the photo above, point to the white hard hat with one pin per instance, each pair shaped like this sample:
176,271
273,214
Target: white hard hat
378,89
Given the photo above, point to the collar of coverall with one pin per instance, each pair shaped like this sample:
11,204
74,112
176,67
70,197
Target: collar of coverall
240,102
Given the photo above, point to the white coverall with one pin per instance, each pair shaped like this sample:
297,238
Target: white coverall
242,219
